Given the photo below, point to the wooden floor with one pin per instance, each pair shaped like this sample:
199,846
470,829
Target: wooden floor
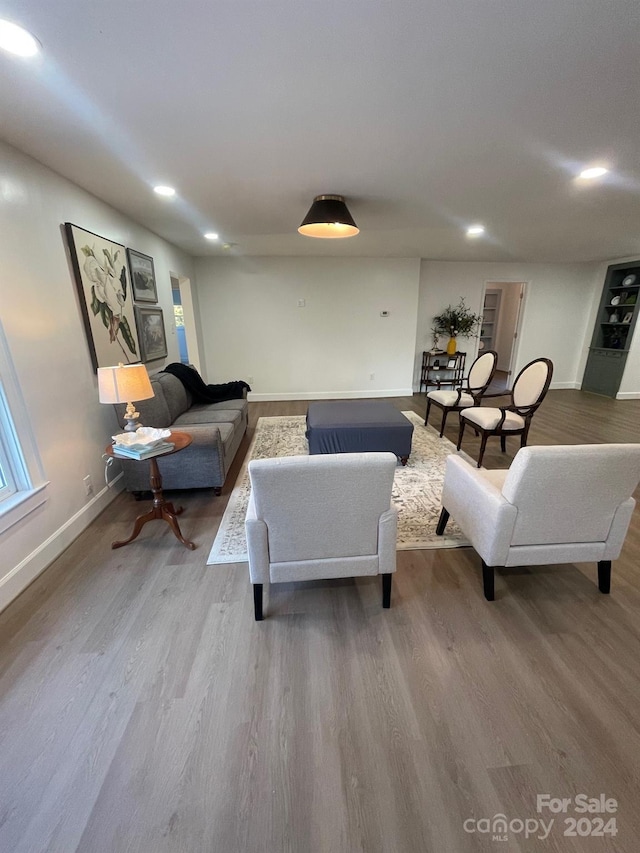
143,710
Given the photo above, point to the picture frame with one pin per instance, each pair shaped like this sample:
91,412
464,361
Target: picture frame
104,290
452,363
143,276
151,334
628,317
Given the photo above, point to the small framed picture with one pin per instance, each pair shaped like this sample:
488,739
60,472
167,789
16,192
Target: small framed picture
452,363
143,277
628,317
150,323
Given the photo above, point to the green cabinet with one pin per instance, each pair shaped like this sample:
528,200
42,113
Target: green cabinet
613,331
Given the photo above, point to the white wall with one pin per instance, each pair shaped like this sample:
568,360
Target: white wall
557,309
40,313
253,327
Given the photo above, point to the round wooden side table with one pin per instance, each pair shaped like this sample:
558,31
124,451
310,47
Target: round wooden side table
162,509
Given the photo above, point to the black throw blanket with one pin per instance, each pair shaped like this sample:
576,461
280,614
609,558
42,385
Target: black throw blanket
200,391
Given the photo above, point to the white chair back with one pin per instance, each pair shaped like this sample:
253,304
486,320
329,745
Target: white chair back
482,370
569,493
531,383
324,506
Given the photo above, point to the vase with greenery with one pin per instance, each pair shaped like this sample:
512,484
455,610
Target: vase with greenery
456,321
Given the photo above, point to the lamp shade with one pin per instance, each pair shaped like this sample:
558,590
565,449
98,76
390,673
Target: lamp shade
124,383
328,218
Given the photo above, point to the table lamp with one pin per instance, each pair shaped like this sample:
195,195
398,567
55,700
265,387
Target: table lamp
125,384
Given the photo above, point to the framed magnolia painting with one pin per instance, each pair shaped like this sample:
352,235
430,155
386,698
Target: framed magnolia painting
102,279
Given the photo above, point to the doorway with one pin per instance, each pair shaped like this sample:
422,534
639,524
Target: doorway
185,321
502,318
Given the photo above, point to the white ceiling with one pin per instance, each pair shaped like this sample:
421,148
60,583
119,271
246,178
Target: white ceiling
427,116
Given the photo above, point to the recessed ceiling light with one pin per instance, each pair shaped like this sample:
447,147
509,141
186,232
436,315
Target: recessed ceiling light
211,235
168,191
475,230
595,172
16,40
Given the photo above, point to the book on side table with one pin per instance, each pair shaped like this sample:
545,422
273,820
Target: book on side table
140,452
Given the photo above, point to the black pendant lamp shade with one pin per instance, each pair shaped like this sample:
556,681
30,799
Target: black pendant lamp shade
328,218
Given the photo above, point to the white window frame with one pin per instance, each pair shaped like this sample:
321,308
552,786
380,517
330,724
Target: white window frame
8,480
19,458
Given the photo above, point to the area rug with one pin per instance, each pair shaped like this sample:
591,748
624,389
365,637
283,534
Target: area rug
416,489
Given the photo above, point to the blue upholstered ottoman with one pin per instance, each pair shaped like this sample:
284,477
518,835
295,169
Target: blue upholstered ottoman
353,426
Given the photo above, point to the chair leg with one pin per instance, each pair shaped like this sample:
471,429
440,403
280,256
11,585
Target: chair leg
604,576
483,444
460,432
445,412
442,522
487,581
426,417
257,601
386,590
503,443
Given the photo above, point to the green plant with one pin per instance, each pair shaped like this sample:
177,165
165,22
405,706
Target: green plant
456,321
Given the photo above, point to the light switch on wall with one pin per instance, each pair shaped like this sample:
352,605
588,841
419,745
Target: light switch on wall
302,303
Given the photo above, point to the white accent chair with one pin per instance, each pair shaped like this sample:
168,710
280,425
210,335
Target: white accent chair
325,516
469,393
559,504
529,390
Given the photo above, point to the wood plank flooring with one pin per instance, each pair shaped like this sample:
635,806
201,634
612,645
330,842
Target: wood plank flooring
143,710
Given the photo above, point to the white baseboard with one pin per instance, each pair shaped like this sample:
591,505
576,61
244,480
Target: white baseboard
628,395
327,395
563,386
555,386
38,560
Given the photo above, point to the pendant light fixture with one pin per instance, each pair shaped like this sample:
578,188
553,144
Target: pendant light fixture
328,218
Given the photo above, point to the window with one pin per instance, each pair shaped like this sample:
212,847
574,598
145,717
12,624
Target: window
13,473
5,486
22,482
7,482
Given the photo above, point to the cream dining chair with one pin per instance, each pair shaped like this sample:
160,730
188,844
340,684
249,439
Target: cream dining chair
529,390
470,391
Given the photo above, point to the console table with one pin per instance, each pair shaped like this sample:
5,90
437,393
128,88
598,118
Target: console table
440,368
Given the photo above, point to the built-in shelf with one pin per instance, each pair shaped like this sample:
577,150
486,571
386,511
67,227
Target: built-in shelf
490,313
611,342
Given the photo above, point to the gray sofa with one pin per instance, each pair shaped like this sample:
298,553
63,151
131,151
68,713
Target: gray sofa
216,429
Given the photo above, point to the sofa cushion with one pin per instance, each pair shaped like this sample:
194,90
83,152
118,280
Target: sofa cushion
204,415
236,405
178,400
